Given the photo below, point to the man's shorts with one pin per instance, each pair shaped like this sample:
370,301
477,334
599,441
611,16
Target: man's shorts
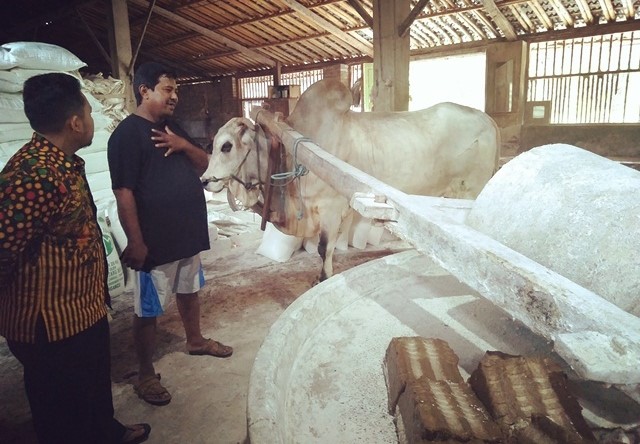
152,290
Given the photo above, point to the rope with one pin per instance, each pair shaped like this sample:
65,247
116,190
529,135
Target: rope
298,171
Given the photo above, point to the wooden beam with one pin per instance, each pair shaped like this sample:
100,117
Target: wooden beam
391,56
120,48
585,11
144,30
585,31
462,28
564,312
500,20
473,26
103,52
522,18
459,49
608,9
306,13
206,32
630,10
562,12
355,4
480,13
539,12
406,24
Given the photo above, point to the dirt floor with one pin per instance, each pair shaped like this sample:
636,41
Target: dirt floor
245,293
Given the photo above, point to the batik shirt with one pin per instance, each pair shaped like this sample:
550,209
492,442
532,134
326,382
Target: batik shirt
52,259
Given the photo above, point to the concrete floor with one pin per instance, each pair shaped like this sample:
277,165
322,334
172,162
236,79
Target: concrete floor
244,295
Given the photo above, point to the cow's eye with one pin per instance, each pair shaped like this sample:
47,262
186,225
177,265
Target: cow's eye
226,147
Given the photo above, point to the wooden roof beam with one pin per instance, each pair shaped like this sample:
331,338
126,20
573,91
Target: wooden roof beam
473,26
500,20
406,24
585,11
309,15
542,16
608,10
522,18
562,12
630,10
207,32
355,4
461,28
94,39
480,15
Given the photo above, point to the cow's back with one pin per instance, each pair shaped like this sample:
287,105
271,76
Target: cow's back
445,150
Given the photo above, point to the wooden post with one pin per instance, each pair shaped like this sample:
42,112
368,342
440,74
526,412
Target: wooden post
120,48
390,56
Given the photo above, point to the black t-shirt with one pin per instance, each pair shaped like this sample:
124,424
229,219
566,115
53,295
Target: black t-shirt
172,210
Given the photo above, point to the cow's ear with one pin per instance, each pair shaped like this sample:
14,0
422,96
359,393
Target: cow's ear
244,124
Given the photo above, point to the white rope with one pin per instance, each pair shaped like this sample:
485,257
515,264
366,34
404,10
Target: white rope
297,172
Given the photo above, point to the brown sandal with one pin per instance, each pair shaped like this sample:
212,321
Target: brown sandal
213,348
136,433
151,391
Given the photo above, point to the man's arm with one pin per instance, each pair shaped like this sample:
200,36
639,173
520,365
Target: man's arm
23,216
135,253
175,144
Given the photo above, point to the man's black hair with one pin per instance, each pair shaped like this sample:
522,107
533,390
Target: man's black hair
149,74
50,99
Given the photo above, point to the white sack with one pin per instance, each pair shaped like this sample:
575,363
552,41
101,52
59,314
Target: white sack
115,277
6,60
38,55
13,79
12,108
276,245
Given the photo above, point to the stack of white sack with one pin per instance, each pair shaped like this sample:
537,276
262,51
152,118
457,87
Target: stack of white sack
20,61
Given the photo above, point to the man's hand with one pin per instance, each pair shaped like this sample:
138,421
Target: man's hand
134,255
169,140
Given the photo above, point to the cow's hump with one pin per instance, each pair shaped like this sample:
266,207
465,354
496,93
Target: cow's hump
327,97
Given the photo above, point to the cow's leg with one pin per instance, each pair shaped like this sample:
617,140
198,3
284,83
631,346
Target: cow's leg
326,247
326,254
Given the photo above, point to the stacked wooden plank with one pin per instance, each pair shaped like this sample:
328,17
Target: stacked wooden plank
511,399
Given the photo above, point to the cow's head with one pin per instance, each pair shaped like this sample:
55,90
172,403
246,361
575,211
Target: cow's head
238,161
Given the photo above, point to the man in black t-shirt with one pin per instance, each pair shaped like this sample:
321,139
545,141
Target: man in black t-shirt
155,174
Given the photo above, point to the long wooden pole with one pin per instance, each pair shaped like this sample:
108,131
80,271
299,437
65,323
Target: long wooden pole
564,312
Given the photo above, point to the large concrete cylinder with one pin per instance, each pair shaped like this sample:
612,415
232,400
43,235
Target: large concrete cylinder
572,211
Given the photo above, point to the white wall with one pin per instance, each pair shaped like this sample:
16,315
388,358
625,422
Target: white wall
459,79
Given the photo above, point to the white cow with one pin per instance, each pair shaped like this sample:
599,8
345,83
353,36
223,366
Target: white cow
446,150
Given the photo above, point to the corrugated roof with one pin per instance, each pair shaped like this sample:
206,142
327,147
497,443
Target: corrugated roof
205,39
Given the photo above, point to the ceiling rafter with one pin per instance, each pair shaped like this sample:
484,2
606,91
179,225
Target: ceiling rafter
608,10
479,13
545,21
364,15
562,12
522,17
208,38
585,11
204,31
307,14
406,24
472,25
500,20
